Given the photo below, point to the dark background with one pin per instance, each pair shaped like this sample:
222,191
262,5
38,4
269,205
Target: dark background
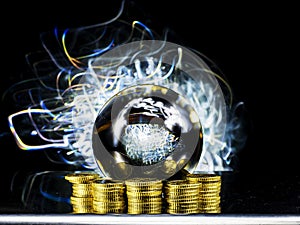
254,45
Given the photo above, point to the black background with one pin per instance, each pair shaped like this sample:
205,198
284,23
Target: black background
254,45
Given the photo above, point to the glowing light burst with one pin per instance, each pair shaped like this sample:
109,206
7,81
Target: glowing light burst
88,66
138,145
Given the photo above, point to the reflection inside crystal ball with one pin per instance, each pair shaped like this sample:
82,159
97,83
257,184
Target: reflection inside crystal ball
147,125
146,130
151,134
148,143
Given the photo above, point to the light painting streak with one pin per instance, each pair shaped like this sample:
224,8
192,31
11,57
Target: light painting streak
84,83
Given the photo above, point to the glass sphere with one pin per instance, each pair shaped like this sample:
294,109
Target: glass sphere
146,131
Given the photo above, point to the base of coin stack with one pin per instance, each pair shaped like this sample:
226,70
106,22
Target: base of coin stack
191,194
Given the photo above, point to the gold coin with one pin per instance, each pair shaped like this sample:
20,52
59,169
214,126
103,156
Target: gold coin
211,184
153,207
144,194
178,195
207,203
81,206
81,177
111,210
215,187
217,210
77,200
144,188
108,196
183,187
182,207
183,204
181,184
210,190
144,204
203,177
183,196
136,204
141,194
108,199
210,207
83,210
145,198
208,200
216,198
108,209
75,206
182,200
209,194
144,211
107,188
111,193
143,182
181,192
122,201
176,182
82,193
186,211
108,183
82,186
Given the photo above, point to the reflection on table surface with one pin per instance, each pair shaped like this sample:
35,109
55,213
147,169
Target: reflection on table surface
48,192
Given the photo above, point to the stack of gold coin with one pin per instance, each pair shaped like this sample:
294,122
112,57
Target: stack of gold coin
82,194
209,195
144,196
109,196
182,197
